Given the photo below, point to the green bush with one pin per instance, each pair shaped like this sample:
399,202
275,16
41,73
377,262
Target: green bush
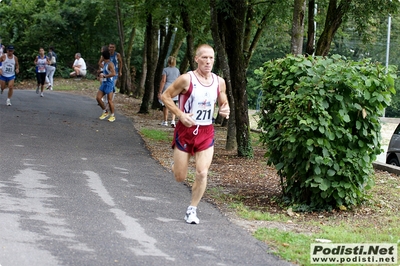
320,123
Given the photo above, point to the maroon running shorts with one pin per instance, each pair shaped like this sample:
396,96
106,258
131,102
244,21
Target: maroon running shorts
193,139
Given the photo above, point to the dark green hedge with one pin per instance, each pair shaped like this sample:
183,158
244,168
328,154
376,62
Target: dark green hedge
320,123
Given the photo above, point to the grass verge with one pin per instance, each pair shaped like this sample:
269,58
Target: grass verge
157,135
376,221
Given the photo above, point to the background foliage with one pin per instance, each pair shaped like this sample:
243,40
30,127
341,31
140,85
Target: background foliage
70,26
85,25
320,121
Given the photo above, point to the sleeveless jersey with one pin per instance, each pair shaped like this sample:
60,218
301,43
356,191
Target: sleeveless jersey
8,67
114,59
200,99
107,72
41,64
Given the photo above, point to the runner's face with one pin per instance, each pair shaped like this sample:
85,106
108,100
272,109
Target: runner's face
111,48
205,60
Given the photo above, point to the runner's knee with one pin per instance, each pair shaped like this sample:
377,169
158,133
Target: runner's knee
179,177
201,174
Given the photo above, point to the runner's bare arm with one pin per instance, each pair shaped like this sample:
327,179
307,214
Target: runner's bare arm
223,103
119,58
180,86
100,63
162,84
16,64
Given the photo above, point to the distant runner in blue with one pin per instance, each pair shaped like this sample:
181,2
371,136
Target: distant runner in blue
107,87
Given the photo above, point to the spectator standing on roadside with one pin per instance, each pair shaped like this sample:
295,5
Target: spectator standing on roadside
41,61
169,75
51,68
198,91
9,68
79,67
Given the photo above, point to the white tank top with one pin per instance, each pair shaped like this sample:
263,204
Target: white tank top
200,99
41,64
8,67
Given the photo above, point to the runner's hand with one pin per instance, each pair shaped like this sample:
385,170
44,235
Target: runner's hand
224,110
187,120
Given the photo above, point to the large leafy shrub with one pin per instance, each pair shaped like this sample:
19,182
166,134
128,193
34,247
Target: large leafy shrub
320,123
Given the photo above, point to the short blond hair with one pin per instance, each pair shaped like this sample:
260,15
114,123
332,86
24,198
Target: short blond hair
172,61
200,48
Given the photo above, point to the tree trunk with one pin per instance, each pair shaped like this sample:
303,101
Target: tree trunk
189,37
334,19
140,91
233,31
298,27
183,67
177,46
164,45
162,32
152,49
128,57
224,65
251,46
125,80
311,28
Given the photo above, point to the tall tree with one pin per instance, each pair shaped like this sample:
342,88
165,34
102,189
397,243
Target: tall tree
361,12
238,29
125,80
311,27
334,18
234,12
187,25
127,61
224,66
298,26
140,90
165,38
151,58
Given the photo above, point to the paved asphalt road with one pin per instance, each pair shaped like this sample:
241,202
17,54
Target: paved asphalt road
75,190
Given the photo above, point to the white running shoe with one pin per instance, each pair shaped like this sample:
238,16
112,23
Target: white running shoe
8,102
191,216
41,94
173,123
164,123
37,90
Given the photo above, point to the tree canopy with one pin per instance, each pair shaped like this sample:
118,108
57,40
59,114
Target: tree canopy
245,34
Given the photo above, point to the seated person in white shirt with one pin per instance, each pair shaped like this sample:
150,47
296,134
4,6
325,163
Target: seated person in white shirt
79,67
